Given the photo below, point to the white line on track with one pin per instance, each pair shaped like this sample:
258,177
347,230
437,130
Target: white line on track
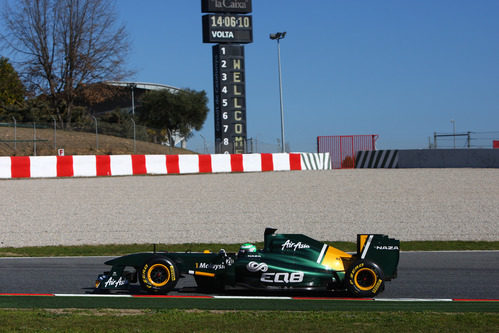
253,297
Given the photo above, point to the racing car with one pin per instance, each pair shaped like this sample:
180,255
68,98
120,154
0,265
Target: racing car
287,261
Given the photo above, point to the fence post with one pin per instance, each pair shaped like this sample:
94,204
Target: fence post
15,137
133,121
96,135
34,138
55,133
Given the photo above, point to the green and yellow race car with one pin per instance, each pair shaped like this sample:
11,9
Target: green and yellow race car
287,261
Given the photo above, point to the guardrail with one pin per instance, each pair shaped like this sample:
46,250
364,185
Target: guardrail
124,165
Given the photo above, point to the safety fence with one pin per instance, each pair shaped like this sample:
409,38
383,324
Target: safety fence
343,148
100,137
123,165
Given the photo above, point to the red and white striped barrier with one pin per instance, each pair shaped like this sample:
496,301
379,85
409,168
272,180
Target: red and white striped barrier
125,165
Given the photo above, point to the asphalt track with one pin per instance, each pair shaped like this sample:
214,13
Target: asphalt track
436,275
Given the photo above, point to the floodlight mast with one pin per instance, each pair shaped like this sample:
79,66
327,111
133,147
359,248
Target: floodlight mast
278,36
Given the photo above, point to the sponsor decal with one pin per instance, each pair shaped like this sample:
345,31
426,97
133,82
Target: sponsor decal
295,246
230,4
172,270
294,277
386,247
376,286
254,266
222,34
144,277
355,269
115,283
214,267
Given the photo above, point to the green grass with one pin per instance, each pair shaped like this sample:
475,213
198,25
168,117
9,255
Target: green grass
115,250
242,321
240,304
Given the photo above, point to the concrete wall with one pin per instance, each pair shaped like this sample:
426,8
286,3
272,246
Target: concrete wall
428,158
449,158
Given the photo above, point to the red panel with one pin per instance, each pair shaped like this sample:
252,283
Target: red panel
236,163
343,148
295,161
20,167
65,166
267,162
103,165
347,154
172,164
139,164
205,164
495,144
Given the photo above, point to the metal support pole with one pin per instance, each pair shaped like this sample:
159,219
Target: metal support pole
283,149
133,86
34,138
278,36
205,147
55,133
133,103
454,131
134,142
96,134
15,134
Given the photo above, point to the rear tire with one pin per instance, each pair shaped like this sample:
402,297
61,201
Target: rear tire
158,276
364,279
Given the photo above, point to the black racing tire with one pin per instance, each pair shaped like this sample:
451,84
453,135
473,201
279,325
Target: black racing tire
158,275
364,279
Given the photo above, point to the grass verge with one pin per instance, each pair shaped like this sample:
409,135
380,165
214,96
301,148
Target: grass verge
243,304
116,250
242,321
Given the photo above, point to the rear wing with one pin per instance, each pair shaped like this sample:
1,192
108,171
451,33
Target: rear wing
381,250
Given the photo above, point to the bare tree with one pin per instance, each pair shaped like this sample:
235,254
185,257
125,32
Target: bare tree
64,44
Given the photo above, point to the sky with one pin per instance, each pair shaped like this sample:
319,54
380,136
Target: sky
401,69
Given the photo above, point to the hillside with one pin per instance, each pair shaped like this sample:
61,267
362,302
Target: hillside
74,143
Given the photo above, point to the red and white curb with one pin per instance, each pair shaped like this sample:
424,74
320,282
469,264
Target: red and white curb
128,165
261,297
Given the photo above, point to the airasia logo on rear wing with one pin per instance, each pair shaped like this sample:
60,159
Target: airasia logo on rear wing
295,246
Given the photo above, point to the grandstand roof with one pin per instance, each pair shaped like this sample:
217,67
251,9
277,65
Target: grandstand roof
142,85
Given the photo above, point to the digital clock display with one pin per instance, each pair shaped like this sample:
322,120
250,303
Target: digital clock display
227,28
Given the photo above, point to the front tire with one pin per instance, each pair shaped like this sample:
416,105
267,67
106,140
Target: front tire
364,279
158,276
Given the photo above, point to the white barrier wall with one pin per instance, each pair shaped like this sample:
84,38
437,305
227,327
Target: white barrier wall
126,165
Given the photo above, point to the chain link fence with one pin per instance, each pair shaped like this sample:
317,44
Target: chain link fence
103,137
99,137
201,145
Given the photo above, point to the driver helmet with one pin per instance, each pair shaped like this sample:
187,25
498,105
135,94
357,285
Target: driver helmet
246,248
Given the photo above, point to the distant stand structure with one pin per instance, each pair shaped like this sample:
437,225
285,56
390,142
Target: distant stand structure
466,140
